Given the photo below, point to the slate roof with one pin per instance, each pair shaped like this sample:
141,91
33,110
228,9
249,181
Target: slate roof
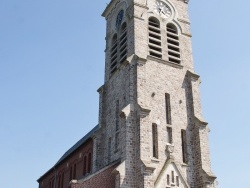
72,149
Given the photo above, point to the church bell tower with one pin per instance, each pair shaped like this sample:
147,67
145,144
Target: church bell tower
150,116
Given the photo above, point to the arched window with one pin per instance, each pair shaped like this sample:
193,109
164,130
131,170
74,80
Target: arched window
173,44
71,173
154,37
53,183
117,140
114,54
85,165
74,173
59,181
123,43
89,162
62,180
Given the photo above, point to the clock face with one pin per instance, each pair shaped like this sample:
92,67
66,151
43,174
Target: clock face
119,19
162,9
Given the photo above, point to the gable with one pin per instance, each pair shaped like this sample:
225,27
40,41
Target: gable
170,177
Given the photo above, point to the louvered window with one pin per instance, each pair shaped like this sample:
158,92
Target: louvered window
154,38
123,43
173,44
114,54
119,48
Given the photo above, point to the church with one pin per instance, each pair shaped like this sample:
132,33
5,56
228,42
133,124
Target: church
150,132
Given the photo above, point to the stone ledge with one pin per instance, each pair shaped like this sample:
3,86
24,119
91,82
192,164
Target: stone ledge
165,62
155,160
185,164
184,21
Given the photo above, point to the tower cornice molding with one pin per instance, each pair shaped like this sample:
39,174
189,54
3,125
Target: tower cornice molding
193,75
104,14
112,6
201,121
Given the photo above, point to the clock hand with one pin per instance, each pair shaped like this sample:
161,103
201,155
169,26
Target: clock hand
159,10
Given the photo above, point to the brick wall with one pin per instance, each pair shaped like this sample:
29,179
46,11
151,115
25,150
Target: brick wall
104,179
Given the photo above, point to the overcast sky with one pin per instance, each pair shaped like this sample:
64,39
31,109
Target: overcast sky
52,63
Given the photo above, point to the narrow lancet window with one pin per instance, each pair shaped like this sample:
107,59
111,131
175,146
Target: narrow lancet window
59,181
74,174
71,173
184,146
168,109
169,135
53,183
155,140
177,181
172,173
89,162
109,150
85,165
62,181
117,115
116,141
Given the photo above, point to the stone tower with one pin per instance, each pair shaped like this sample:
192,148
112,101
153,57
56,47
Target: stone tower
151,133
150,118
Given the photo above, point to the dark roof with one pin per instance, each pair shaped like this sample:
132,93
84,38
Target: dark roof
73,148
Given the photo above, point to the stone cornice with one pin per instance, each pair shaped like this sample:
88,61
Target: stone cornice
187,34
104,14
148,165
